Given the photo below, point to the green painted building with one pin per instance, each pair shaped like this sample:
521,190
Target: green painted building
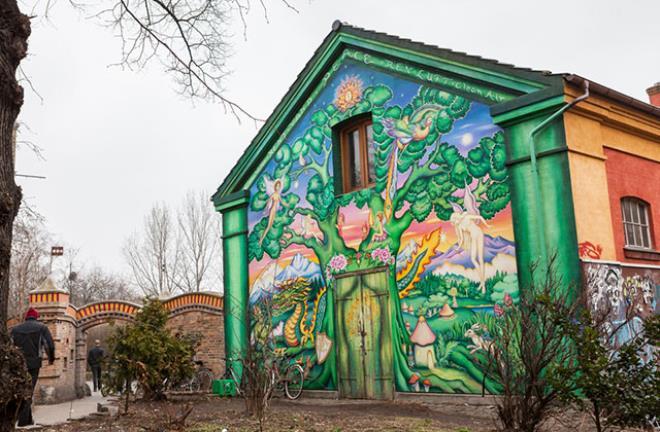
387,212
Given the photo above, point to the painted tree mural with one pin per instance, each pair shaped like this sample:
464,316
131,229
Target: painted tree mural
419,178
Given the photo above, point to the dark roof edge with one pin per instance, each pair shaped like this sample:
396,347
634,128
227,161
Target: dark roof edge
614,95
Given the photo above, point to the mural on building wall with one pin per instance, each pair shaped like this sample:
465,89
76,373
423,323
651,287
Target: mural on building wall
623,296
438,219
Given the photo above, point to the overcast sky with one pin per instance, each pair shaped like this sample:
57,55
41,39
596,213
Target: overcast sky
117,141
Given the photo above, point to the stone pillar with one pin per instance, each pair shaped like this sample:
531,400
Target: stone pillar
235,262
57,382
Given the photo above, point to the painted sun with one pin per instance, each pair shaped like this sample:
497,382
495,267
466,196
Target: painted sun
349,93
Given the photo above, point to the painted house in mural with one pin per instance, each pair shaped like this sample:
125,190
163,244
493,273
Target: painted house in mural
386,214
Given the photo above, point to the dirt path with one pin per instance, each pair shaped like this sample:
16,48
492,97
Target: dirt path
213,414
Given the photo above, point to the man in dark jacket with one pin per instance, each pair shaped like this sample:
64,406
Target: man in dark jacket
94,359
31,337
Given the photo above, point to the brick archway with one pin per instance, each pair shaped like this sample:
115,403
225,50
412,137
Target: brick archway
199,313
98,313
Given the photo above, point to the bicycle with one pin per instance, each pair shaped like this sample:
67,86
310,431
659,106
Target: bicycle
203,378
285,377
288,378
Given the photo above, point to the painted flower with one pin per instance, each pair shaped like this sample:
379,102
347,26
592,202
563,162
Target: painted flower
348,94
383,255
508,300
499,312
338,263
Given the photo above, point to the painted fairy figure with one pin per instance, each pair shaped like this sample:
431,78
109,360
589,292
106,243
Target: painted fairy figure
470,236
310,229
415,127
380,233
273,189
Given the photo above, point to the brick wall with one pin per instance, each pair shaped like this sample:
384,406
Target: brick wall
632,176
65,379
57,382
210,327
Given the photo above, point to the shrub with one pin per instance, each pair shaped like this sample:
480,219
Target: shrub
617,386
146,352
526,351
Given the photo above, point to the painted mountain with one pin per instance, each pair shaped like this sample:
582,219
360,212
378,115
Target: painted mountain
265,285
499,254
300,267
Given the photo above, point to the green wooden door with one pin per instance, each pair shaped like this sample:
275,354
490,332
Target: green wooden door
364,345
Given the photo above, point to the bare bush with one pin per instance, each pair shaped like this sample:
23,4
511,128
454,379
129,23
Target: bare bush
257,383
527,349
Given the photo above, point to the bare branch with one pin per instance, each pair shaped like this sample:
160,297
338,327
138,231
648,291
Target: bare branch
189,37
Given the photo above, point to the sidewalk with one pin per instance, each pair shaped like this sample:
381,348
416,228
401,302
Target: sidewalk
49,415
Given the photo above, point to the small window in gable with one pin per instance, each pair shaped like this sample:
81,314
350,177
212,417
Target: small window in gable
357,155
636,226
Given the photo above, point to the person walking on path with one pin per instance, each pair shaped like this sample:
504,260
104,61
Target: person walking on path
32,337
94,359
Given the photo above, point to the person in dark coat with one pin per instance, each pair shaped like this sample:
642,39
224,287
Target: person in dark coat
32,338
94,359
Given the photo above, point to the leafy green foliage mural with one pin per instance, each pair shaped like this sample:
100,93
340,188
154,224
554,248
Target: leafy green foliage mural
437,197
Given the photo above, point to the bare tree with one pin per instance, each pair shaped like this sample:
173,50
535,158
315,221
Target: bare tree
14,32
199,234
189,38
98,285
153,255
29,260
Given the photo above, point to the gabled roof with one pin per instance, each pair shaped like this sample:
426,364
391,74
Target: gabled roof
523,85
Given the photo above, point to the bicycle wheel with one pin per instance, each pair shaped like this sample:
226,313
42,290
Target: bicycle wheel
293,382
194,385
205,380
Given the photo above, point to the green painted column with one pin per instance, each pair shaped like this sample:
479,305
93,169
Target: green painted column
543,215
234,247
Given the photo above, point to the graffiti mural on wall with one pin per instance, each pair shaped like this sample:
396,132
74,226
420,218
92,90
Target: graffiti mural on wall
624,296
588,250
438,219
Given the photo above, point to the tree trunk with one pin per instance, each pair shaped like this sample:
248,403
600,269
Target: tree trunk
14,32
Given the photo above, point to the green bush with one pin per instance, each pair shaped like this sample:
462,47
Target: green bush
147,353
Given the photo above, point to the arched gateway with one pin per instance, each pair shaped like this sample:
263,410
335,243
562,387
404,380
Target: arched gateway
198,313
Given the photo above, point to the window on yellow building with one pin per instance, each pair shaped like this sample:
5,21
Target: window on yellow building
636,225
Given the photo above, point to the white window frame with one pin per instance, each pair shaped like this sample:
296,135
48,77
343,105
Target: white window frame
636,223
